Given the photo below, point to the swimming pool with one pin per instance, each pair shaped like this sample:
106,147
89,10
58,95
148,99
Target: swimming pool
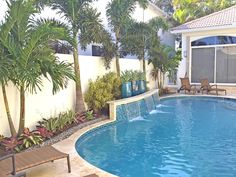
188,136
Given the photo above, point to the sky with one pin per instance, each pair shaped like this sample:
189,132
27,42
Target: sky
48,13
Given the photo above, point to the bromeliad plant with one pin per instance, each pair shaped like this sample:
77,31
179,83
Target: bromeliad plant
11,144
30,139
45,133
89,115
58,123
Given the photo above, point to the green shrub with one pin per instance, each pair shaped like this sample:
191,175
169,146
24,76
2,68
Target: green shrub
114,83
102,90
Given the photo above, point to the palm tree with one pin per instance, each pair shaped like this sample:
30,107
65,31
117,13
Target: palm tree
138,35
164,59
5,66
119,17
32,59
84,27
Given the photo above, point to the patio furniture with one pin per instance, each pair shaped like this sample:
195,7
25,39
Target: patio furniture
12,157
205,86
186,86
15,163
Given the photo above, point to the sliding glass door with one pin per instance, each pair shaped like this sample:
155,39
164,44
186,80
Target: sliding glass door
203,61
226,64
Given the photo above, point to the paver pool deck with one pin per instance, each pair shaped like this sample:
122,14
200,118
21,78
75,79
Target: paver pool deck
80,167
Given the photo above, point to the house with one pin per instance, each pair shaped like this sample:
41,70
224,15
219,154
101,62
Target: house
140,15
90,68
209,49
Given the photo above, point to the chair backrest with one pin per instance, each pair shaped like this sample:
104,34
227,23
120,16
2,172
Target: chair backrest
205,83
185,82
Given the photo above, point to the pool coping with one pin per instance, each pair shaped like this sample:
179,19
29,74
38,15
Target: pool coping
81,167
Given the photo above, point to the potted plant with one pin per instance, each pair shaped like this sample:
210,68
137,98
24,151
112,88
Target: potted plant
126,87
141,82
135,82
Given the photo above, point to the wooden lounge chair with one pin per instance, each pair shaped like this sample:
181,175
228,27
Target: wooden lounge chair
205,86
12,164
12,157
186,86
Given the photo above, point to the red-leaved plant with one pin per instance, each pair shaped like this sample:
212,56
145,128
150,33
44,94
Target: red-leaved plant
11,144
30,138
45,133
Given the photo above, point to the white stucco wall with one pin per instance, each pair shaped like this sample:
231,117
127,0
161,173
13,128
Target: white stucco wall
44,104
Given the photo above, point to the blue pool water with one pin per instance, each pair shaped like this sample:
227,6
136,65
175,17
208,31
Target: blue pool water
183,137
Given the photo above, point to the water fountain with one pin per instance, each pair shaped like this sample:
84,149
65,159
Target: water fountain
136,110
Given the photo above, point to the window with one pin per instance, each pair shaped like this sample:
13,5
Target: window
215,63
214,40
226,65
172,78
97,50
203,60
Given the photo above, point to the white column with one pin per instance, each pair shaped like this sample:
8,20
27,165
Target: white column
182,69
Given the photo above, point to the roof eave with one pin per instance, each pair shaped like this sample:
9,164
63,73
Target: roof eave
202,29
157,8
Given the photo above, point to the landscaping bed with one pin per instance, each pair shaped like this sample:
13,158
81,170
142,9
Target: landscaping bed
49,131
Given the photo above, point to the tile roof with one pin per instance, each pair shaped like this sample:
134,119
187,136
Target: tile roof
223,18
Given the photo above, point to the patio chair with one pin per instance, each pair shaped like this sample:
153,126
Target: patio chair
12,157
205,86
12,164
186,86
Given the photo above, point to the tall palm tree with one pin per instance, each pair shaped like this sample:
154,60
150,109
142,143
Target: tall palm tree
119,16
32,59
84,27
138,35
5,69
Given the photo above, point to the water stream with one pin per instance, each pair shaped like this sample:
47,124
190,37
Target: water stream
137,110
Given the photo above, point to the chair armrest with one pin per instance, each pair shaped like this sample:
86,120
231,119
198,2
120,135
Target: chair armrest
6,157
215,85
12,156
193,85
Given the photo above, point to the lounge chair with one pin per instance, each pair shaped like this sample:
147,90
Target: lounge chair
12,164
205,86
12,157
186,86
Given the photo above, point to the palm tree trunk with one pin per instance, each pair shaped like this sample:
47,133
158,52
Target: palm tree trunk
22,110
10,122
144,65
117,55
79,104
